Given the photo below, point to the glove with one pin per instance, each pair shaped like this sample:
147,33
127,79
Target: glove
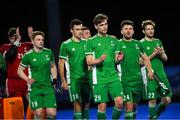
56,86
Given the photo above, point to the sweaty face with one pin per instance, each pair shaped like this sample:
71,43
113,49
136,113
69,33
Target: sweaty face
127,31
149,31
38,41
102,28
77,31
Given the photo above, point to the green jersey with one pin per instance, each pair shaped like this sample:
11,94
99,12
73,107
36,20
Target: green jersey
149,47
104,72
74,54
130,67
39,64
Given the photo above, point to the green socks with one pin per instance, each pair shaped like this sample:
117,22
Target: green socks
101,115
85,114
116,113
77,116
134,113
160,108
152,112
129,115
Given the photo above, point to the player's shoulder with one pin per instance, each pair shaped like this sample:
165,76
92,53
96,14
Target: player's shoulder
142,40
29,52
93,37
135,40
120,40
113,37
84,40
67,41
156,39
47,49
5,45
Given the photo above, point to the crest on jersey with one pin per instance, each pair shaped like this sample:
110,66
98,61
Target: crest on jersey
47,57
99,44
73,49
34,59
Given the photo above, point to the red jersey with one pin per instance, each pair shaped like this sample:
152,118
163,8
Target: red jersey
13,66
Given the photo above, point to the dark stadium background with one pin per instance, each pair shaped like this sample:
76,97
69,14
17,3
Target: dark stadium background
53,17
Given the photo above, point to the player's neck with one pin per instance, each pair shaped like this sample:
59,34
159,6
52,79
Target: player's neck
37,49
75,39
101,35
148,38
127,39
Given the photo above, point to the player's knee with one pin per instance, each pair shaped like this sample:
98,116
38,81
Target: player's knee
51,115
102,107
119,102
166,100
38,115
152,102
129,106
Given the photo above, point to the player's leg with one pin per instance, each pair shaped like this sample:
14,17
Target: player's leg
85,95
137,92
75,98
116,92
100,92
50,104
152,97
165,100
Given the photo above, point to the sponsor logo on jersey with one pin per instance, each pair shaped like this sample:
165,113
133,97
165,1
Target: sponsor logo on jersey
47,57
136,45
148,48
157,44
112,43
73,49
34,59
123,46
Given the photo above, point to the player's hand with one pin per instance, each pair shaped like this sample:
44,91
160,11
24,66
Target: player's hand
120,56
6,90
151,75
64,85
56,86
102,58
158,51
30,81
18,36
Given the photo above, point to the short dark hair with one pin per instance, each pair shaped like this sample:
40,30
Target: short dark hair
12,32
127,22
75,22
85,28
35,33
99,18
147,22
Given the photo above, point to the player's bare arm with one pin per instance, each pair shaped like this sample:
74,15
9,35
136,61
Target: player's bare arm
21,74
91,61
61,64
148,65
